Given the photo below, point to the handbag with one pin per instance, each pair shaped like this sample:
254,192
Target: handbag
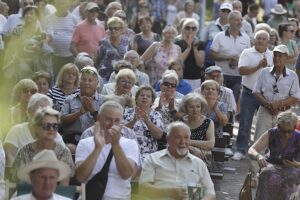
246,193
95,187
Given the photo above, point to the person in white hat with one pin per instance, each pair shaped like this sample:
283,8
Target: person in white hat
278,16
43,173
276,90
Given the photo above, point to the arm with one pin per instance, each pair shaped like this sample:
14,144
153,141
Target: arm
223,118
261,144
10,153
74,48
133,44
244,70
217,56
210,136
149,53
199,56
72,117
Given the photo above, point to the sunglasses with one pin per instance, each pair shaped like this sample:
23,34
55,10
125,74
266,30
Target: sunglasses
225,10
188,28
114,28
50,126
169,85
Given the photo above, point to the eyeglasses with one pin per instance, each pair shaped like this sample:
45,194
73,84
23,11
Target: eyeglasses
49,126
31,91
275,89
93,10
291,31
28,4
114,28
143,7
225,10
170,85
123,82
188,28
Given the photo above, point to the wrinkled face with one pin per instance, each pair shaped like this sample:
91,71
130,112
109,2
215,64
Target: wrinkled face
124,85
43,182
236,22
193,108
190,29
43,85
261,42
210,92
169,36
133,59
115,29
88,84
144,99
92,14
48,129
179,141
237,5
168,86
110,117
224,14
279,59
214,75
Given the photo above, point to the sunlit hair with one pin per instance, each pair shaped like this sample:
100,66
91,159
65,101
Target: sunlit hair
262,26
233,14
287,118
20,86
67,67
35,101
39,115
115,20
169,28
109,105
169,74
208,83
177,124
189,21
83,59
131,52
147,88
121,64
189,98
42,74
175,61
110,5
262,32
126,73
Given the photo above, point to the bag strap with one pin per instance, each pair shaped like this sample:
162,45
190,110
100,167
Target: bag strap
106,165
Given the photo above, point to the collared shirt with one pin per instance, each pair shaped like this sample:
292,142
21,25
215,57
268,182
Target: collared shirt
250,58
31,197
12,22
287,85
163,170
227,45
212,30
73,104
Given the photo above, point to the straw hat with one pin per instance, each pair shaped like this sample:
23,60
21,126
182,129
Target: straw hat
44,159
278,10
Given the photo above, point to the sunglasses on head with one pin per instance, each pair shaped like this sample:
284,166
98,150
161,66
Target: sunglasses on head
50,126
188,28
169,85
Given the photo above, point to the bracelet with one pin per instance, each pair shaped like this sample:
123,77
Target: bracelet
257,156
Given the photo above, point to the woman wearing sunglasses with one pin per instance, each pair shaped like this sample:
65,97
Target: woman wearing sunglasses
45,124
192,53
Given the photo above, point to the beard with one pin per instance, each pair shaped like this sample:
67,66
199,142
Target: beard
182,151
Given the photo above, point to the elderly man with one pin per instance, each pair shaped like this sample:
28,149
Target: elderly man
226,49
276,90
43,173
21,134
92,152
167,173
251,62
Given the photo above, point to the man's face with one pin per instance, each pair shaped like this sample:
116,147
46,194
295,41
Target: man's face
279,59
237,5
236,22
62,5
178,69
261,42
253,13
25,3
133,59
224,14
110,117
92,14
179,141
43,182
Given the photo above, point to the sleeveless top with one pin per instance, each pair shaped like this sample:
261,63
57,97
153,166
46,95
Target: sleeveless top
278,152
200,132
143,44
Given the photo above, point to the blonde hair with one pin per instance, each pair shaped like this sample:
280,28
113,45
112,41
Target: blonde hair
125,73
115,20
192,97
210,83
20,86
287,118
66,67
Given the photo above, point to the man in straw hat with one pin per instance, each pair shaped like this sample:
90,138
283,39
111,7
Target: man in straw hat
43,173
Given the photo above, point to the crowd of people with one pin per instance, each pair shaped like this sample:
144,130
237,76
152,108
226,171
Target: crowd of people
139,91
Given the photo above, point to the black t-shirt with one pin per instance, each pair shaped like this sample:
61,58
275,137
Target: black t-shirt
191,70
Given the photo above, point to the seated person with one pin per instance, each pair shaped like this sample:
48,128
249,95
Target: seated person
92,152
43,173
166,171
22,134
45,124
202,128
280,173
183,86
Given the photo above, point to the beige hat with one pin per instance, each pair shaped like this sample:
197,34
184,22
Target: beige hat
91,5
226,6
278,10
44,159
282,49
213,68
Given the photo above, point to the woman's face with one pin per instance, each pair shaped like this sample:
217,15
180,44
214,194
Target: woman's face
144,99
289,32
193,108
70,76
168,87
286,129
145,25
115,29
30,16
88,84
43,85
124,85
169,36
273,38
210,92
26,93
190,29
48,129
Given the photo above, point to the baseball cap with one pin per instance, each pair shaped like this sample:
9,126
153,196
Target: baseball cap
226,5
212,68
91,5
282,49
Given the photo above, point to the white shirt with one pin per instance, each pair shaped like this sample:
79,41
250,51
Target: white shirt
12,22
250,58
116,188
31,197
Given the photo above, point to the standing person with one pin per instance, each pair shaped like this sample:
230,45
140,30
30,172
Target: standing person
143,10
92,152
276,90
278,16
267,5
226,49
251,62
60,27
165,172
192,53
88,33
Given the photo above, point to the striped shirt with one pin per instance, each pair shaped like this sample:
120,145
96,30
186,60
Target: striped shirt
58,96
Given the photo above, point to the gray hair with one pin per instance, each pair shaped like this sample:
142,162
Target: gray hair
262,26
233,14
287,118
39,115
190,21
121,63
34,102
177,124
192,97
83,60
209,83
170,74
170,28
110,104
262,32
131,52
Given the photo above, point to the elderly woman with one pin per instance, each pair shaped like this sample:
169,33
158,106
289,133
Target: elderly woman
43,80
215,110
112,7
192,53
274,39
144,38
21,94
280,172
45,124
128,32
202,128
161,53
111,48
146,122
143,11
67,83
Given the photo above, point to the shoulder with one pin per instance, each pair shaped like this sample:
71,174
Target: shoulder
59,197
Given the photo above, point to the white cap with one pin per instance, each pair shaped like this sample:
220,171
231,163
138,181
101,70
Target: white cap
282,49
226,5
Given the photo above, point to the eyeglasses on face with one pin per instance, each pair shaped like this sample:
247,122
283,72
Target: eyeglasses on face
114,28
169,85
188,28
50,126
225,10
